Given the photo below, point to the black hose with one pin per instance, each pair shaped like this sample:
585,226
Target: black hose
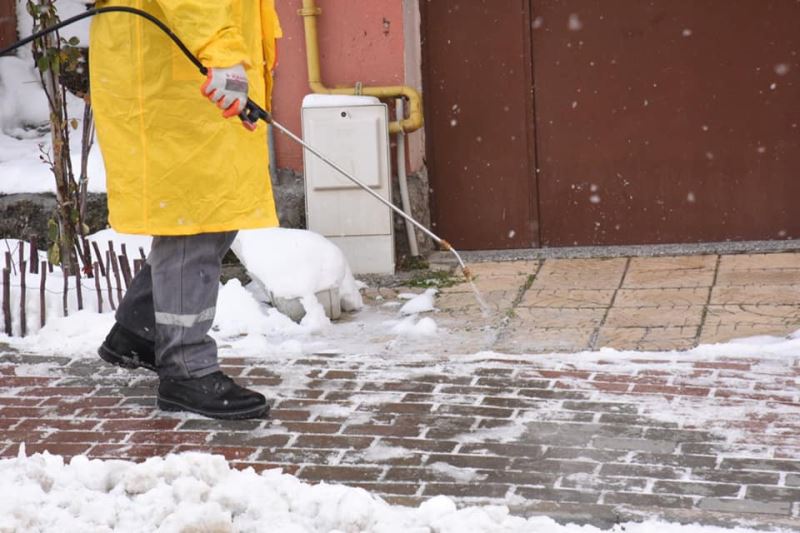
252,112
96,11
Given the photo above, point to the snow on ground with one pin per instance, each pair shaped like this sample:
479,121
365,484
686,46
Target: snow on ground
200,492
292,263
421,303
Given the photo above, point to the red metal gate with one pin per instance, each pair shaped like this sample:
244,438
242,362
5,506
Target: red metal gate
8,23
479,122
655,122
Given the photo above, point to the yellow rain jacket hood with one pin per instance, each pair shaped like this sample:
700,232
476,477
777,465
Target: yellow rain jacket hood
174,165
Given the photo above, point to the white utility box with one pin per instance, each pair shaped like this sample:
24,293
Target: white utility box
351,131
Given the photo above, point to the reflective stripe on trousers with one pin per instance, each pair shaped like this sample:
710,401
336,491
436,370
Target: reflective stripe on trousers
172,301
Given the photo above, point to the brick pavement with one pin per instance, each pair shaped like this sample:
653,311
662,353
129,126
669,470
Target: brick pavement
593,438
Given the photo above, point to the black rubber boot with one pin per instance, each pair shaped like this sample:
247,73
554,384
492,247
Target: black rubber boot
128,350
215,395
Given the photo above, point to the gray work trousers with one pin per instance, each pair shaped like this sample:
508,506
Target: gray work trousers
172,301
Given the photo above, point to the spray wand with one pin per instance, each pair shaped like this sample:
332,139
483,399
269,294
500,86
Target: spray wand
251,113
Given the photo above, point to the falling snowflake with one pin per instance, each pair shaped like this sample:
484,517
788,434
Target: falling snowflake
782,69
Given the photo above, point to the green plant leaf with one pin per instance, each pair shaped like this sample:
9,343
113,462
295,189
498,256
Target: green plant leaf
54,254
52,230
43,63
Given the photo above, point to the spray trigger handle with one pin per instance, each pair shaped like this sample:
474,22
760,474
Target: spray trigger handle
253,112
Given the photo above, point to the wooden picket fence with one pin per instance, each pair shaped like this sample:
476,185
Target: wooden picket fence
102,268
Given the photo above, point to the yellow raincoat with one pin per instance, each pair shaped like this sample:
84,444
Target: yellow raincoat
174,165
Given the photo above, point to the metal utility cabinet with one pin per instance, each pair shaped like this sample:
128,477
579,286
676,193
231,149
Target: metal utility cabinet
352,132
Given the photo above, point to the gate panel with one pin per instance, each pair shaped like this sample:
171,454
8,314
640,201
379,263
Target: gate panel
8,24
665,122
479,122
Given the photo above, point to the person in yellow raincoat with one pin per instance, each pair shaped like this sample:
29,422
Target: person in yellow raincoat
178,170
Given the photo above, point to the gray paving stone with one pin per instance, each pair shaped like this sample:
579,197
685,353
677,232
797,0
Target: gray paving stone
477,490
502,449
509,384
603,407
243,438
696,489
586,454
679,435
521,478
298,456
548,394
761,464
602,516
559,434
340,473
470,461
645,471
677,460
554,466
571,434
793,480
226,426
602,483
633,420
648,500
724,505
740,477
558,495
639,445
749,451
26,358
773,494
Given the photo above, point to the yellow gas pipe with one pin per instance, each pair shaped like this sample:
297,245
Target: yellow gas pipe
309,12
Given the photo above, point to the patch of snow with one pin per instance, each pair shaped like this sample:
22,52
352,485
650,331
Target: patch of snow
461,475
421,303
381,452
292,263
200,492
410,327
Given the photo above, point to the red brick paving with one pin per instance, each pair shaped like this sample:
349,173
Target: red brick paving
409,431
